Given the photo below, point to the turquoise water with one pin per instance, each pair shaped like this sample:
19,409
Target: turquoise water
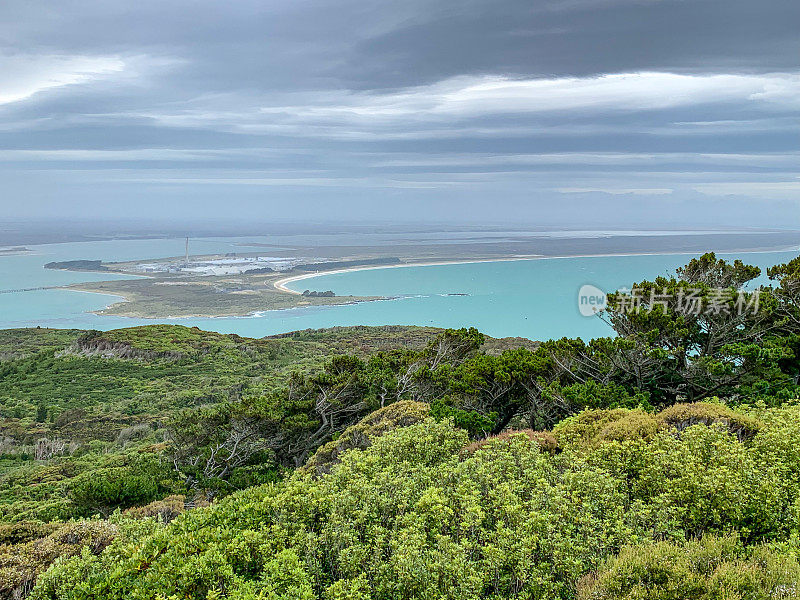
530,298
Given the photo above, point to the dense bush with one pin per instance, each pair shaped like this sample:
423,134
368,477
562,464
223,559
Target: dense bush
361,435
591,427
635,425
24,531
709,569
22,563
544,439
140,481
681,416
404,518
414,516
585,427
164,510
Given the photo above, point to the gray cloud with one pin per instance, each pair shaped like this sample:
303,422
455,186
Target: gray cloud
476,109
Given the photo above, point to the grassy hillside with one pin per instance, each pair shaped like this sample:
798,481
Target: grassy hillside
73,402
55,381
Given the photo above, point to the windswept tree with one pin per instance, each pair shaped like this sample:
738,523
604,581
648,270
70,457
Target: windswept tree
700,334
787,294
289,423
209,444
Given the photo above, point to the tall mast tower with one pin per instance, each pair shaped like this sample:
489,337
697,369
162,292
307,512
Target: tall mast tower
187,251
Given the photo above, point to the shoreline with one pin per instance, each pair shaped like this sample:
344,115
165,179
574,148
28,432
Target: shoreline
122,299
119,299
281,284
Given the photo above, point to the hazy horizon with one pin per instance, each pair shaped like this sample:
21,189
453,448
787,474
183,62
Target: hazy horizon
565,113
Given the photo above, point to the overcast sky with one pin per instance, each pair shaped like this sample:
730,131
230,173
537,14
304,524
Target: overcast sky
573,112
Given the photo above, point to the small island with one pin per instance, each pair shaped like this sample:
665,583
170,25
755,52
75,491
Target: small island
13,250
78,265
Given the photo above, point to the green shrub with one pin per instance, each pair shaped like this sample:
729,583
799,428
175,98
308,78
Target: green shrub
592,427
404,518
593,395
165,510
413,515
709,569
584,428
24,531
360,435
706,481
636,425
544,439
472,421
681,416
21,564
104,490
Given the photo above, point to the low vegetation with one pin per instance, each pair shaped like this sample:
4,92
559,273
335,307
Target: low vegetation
412,516
398,462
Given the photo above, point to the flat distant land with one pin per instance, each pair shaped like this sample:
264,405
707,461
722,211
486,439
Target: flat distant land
14,250
240,284
163,297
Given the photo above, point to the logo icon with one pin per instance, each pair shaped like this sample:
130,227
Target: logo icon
591,300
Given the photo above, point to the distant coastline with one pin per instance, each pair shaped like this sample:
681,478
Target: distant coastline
140,302
137,293
281,284
12,250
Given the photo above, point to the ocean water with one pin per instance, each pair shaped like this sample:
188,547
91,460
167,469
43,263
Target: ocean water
530,298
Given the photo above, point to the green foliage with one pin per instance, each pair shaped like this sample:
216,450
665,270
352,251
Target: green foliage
414,516
707,481
136,483
708,569
472,421
591,394
698,335
139,371
592,427
40,490
544,439
585,428
681,416
25,531
361,435
97,397
714,272
21,563
292,421
19,343
635,425
501,522
165,509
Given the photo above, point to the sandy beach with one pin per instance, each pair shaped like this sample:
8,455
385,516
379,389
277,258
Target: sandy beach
280,284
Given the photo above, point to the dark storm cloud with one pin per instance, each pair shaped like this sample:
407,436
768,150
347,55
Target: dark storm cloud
526,38
350,108
259,45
